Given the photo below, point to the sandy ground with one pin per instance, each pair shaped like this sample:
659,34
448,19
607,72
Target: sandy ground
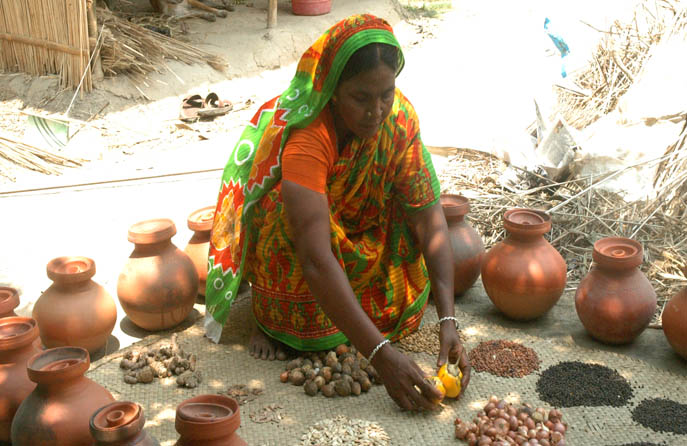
472,74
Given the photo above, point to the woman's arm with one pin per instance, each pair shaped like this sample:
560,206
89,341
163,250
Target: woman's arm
308,214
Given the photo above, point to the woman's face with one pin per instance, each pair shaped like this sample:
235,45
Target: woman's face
364,101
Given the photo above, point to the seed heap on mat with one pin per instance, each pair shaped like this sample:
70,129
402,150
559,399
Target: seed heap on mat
504,358
343,431
573,383
662,415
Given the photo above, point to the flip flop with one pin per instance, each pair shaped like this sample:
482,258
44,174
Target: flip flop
190,107
213,106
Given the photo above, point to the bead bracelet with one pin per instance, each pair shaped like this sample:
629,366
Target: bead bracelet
449,318
376,349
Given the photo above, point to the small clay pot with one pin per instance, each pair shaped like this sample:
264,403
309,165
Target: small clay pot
198,248
9,300
615,301
158,285
674,320
208,420
466,243
58,411
120,424
74,310
523,275
17,346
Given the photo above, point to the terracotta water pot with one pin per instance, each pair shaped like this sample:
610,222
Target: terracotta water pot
208,420
58,411
200,222
74,310
523,275
311,7
466,243
120,424
158,285
17,336
615,301
674,320
9,300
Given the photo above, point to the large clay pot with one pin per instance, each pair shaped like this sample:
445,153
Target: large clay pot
200,222
74,310
311,7
158,285
523,275
58,411
120,424
208,420
466,243
9,300
674,320
615,301
17,336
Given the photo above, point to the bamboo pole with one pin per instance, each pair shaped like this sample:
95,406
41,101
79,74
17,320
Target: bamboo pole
272,14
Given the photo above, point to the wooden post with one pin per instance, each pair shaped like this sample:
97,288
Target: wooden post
96,67
272,14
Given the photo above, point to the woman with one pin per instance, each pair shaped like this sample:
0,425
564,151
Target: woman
329,207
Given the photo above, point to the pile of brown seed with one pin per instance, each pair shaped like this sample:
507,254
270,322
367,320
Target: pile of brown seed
142,366
424,340
504,358
342,372
343,431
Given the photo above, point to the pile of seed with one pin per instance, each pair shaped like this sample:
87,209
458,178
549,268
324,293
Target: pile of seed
504,358
142,366
662,415
573,383
242,393
424,340
342,431
342,372
642,443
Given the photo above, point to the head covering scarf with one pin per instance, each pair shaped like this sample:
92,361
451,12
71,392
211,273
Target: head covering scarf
254,166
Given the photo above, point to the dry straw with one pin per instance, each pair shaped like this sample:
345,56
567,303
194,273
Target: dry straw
46,36
30,157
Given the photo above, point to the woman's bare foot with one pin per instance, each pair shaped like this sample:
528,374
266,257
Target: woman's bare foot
262,346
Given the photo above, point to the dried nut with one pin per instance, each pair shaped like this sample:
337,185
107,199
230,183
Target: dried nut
326,373
342,387
319,381
330,362
348,360
348,378
281,355
311,388
337,367
336,376
365,385
310,373
346,369
355,388
317,364
341,349
306,363
294,363
296,377
328,390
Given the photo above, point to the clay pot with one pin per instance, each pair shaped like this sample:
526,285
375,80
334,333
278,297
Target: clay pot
615,301
17,336
674,320
74,310
120,424
311,7
9,300
523,275
158,285
58,411
200,222
466,243
208,420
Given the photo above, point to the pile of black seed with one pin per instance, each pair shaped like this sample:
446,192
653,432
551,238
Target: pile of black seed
642,443
573,383
662,415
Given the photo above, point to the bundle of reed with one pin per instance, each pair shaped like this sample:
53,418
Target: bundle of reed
31,157
46,37
132,49
581,212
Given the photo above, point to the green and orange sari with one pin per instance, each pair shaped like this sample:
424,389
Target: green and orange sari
375,185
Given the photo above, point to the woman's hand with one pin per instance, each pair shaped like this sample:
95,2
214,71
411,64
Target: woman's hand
451,349
400,375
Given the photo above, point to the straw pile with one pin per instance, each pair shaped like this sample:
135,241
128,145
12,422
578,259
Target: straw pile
581,215
30,157
131,49
46,36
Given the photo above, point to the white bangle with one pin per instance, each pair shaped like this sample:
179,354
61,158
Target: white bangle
376,349
449,318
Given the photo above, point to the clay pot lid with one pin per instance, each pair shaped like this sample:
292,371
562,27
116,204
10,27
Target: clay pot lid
152,231
70,269
201,219
527,221
454,205
58,364
115,422
16,332
9,299
618,253
207,417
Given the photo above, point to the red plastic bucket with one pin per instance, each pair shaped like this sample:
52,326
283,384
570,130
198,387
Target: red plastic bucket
311,7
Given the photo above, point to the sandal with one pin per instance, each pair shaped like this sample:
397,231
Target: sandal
213,106
190,107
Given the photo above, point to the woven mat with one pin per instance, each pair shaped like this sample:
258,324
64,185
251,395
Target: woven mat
229,363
